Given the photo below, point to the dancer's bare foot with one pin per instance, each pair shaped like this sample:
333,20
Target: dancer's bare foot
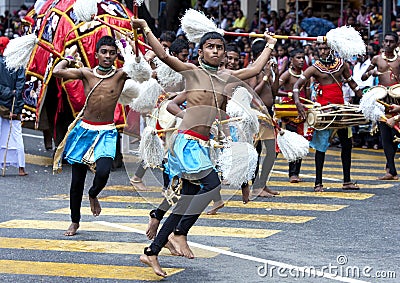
152,228
171,248
152,261
21,171
138,184
261,193
181,246
246,193
217,205
72,229
95,206
272,192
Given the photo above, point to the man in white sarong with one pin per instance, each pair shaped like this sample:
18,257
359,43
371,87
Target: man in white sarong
11,104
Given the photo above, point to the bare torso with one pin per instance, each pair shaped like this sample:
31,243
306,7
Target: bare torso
102,101
388,71
203,92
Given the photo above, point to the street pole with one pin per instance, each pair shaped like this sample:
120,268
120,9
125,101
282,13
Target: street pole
297,17
386,17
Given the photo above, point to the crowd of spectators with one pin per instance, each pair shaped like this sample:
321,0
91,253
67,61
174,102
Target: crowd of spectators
227,14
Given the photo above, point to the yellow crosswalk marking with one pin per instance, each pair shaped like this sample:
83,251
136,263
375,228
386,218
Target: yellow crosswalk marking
311,161
341,195
285,205
337,185
231,203
115,272
220,215
285,193
90,246
38,160
90,226
329,169
335,176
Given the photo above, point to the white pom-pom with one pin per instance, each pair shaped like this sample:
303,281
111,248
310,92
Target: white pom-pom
371,109
19,50
238,163
292,145
149,92
346,41
137,70
195,24
130,91
166,76
239,103
151,150
85,10
136,67
139,2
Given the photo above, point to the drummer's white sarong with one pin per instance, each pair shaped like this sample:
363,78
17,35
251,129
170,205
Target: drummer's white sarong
16,152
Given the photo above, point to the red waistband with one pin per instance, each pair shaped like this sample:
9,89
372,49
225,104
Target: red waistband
194,134
97,123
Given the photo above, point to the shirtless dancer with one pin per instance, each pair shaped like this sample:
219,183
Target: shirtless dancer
104,84
386,67
189,157
287,81
264,85
329,71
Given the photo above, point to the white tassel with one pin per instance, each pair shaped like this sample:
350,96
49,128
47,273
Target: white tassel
149,92
292,145
84,10
19,50
137,70
239,106
136,67
346,41
167,77
195,24
138,2
151,150
238,163
371,109
130,91
239,103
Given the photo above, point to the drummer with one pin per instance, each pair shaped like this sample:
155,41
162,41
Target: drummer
385,66
329,71
287,81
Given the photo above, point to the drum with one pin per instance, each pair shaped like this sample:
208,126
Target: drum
165,119
288,110
335,116
394,94
379,92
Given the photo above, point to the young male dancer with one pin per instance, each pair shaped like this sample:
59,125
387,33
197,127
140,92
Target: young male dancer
189,156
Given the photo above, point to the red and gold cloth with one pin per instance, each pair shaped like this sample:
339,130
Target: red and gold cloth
57,28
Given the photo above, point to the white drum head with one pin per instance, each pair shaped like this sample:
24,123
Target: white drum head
165,119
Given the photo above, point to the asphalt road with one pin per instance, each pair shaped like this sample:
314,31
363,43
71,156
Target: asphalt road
300,236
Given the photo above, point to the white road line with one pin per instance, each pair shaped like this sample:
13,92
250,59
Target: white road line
312,272
32,136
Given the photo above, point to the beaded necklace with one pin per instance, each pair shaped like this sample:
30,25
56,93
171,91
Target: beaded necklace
110,73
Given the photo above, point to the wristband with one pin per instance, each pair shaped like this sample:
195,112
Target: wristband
295,90
302,77
146,30
397,118
290,94
357,88
270,46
